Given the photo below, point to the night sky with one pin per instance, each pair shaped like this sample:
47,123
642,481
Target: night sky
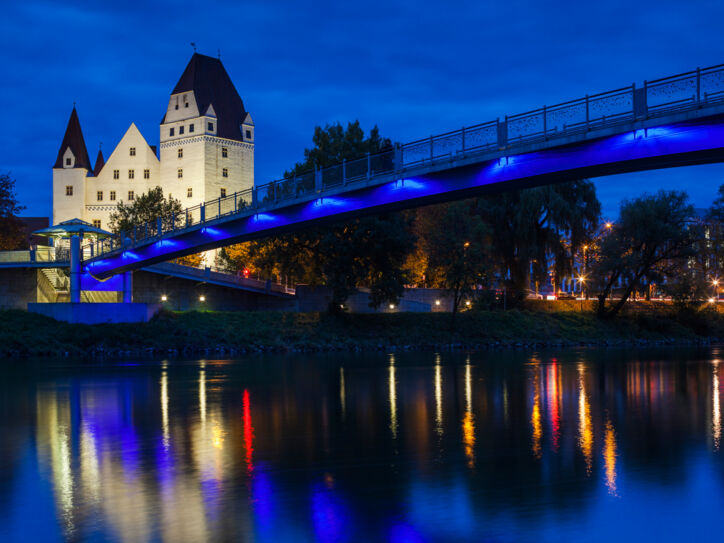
414,68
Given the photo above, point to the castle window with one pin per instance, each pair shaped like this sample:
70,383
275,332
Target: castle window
96,223
68,161
113,196
147,174
189,192
224,152
186,104
223,193
116,174
99,195
133,151
131,174
180,173
211,127
248,134
170,132
69,190
191,127
180,130
176,106
225,172
180,152
130,195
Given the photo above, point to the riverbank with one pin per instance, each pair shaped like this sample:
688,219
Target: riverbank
25,334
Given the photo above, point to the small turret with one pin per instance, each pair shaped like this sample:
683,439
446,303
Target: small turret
70,172
73,152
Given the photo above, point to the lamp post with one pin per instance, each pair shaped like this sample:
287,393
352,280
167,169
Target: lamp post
715,282
582,279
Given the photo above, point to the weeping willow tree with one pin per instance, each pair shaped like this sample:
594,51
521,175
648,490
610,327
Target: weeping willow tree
539,230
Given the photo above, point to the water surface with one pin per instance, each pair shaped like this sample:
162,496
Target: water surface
574,446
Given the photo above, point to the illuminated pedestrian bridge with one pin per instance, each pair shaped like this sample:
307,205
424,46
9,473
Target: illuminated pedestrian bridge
674,121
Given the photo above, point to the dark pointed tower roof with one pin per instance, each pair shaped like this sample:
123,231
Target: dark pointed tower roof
211,84
74,139
100,162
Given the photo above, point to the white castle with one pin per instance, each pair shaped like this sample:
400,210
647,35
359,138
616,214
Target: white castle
207,151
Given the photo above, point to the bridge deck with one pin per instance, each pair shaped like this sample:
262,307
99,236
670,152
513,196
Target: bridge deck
668,122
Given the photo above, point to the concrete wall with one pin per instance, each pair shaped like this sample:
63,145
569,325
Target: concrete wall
183,295
416,300
18,287
96,313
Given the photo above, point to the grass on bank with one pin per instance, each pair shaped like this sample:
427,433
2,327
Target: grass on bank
29,334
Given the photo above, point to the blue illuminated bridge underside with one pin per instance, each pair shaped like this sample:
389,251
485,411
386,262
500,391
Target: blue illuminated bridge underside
676,140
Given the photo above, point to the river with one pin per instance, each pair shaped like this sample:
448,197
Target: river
578,445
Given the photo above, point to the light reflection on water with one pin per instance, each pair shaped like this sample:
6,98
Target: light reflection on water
404,447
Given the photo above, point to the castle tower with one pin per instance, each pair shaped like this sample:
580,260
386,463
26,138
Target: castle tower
69,173
207,137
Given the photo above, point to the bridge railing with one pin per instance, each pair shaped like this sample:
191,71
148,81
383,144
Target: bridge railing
696,89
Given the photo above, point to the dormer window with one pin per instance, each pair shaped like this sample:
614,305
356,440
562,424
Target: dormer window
132,151
211,127
68,161
248,134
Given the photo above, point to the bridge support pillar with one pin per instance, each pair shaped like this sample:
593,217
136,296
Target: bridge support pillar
127,287
75,269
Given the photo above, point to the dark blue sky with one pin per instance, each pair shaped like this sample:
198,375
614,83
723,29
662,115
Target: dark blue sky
414,68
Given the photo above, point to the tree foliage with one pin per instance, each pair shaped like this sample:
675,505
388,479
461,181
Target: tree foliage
143,213
12,235
648,243
366,252
535,228
455,242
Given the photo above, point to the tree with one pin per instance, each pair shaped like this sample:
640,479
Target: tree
363,252
143,213
455,241
12,235
647,244
531,227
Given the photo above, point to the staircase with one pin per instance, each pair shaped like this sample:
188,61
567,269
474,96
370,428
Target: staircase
53,286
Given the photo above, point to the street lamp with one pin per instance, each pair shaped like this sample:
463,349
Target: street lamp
715,282
582,279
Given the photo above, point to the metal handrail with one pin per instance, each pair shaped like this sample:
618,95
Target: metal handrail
592,112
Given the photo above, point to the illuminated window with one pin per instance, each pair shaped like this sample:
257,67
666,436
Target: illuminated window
248,134
130,195
224,152
69,190
191,127
170,131
99,195
97,223
180,130
189,192
116,174
147,174
67,161
211,127
225,172
131,174
180,153
180,173
112,196
133,151
223,193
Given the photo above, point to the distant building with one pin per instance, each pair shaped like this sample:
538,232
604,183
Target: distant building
206,151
